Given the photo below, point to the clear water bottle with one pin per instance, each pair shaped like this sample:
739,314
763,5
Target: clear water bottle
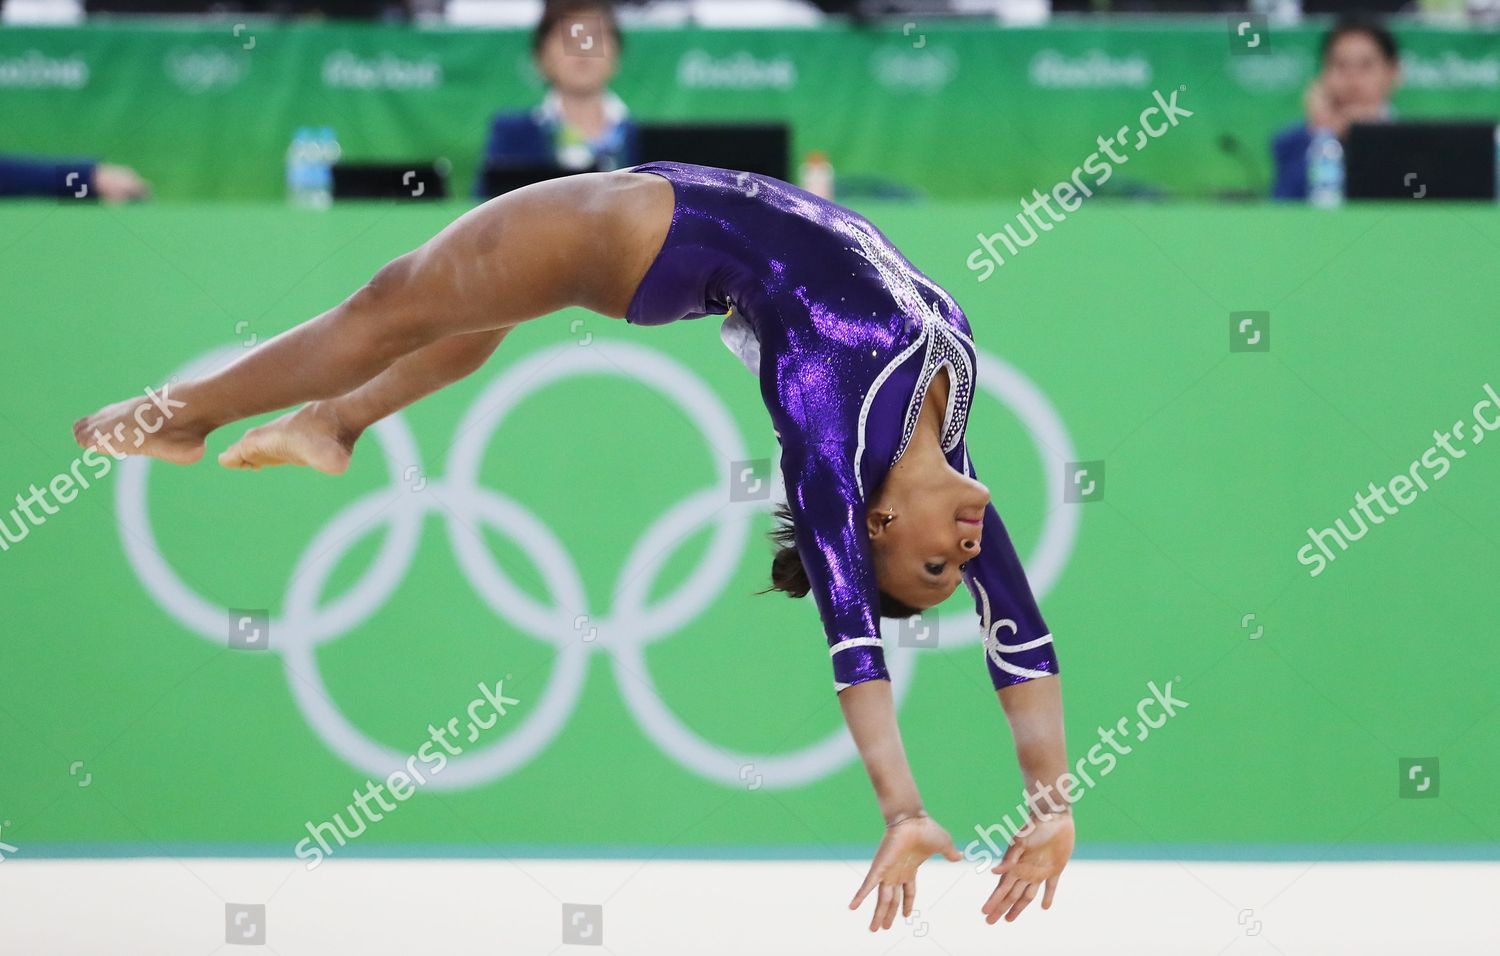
309,167
1325,170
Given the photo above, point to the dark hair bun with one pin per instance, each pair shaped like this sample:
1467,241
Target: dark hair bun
788,574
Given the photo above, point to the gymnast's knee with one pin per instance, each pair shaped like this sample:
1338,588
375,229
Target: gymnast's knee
388,288
391,307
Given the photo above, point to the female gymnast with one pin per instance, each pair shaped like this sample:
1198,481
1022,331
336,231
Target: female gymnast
865,365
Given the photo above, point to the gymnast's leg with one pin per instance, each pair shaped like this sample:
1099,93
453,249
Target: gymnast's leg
580,241
321,434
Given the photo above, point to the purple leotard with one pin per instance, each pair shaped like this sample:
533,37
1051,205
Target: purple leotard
845,335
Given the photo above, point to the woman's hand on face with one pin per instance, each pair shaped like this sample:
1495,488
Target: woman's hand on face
907,845
1321,113
1036,858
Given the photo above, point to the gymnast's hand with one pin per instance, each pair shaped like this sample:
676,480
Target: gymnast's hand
1036,857
908,843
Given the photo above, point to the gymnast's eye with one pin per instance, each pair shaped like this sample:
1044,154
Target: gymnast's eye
963,567
935,568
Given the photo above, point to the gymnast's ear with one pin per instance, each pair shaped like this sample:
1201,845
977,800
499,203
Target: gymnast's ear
878,521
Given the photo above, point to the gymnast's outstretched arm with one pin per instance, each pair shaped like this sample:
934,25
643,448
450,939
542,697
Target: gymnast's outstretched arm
1036,856
911,836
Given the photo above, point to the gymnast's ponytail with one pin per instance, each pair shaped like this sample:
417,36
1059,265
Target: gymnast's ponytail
787,572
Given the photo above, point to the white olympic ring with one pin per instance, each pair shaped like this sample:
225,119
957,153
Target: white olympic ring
305,623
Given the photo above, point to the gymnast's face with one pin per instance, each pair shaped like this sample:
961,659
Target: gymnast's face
924,527
580,55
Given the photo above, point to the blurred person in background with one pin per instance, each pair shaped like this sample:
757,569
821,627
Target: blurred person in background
580,124
1361,69
60,179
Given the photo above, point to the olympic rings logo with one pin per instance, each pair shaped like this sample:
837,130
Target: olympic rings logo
306,621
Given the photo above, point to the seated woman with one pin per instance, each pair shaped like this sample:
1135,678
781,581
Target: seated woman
580,125
1361,68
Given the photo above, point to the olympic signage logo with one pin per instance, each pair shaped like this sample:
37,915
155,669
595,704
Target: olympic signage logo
306,622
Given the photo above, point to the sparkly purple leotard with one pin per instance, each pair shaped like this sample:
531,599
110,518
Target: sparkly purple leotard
845,335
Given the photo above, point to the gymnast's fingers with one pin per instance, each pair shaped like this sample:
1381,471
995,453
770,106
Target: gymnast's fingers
1022,903
1007,881
1012,893
1051,892
864,889
883,901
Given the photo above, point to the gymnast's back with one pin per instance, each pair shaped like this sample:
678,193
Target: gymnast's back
814,288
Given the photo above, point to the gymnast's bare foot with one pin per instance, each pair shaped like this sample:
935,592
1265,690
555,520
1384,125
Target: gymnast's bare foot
312,436
157,426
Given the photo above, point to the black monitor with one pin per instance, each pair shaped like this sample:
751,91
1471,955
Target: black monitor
1438,160
499,178
763,148
405,182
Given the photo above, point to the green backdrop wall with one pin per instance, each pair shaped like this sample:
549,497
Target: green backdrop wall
208,111
1217,462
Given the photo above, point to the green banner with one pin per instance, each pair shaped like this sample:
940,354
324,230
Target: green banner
972,111
198,660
